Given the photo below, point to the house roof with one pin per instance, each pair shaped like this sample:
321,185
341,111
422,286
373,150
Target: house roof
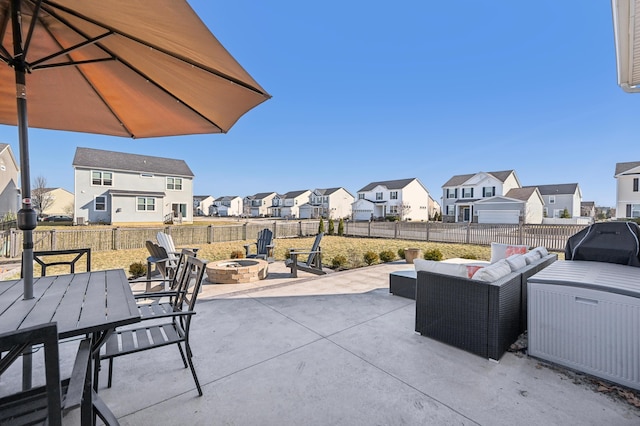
557,189
6,146
389,184
329,191
587,204
458,180
120,161
294,194
201,197
261,195
226,198
624,167
522,194
627,43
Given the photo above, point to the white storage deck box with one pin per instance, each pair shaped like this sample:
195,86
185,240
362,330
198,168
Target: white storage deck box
586,316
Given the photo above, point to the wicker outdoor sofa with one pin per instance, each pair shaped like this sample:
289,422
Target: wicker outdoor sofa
481,317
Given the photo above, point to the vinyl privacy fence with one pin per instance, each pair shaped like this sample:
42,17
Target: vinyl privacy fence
553,237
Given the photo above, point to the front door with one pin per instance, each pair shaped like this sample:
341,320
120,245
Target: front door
466,214
179,210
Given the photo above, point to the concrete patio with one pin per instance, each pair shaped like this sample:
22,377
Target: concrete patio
338,349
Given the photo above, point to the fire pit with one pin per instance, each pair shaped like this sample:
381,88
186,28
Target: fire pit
236,271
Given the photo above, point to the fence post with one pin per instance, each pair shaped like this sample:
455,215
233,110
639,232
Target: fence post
275,228
116,238
520,233
395,230
52,240
244,231
428,227
468,233
299,228
210,234
14,242
369,231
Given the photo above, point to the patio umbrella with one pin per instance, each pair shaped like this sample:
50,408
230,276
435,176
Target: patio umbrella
135,68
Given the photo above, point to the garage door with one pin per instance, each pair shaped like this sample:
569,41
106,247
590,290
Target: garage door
498,216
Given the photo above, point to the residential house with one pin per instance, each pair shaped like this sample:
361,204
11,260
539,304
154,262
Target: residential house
519,205
462,192
406,199
115,187
588,209
559,197
329,203
288,205
627,189
203,205
228,205
9,191
56,201
260,203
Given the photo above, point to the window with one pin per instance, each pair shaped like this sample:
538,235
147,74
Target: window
552,199
100,204
488,191
451,193
101,178
360,196
146,204
146,175
635,184
378,196
467,192
174,183
393,195
633,210
393,210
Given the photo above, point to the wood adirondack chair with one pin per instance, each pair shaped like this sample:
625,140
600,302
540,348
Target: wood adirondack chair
264,246
313,263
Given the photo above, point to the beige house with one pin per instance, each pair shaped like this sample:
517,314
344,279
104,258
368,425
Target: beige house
57,201
9,191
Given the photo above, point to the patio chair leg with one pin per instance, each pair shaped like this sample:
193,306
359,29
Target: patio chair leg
193,370
110,372
184,359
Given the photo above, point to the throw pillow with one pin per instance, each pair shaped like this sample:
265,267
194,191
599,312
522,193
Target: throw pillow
472,269
502,251
454,269
516,261
531,257
493,272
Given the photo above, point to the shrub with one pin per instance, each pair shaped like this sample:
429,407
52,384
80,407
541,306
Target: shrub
469,256
401,253
331,228
237,254
137,269
433,254
387,256
565,214
341,227
370,258
321,226
339,261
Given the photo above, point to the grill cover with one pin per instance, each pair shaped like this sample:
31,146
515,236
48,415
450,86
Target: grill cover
611,242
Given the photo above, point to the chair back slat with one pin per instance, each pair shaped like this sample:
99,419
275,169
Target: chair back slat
314,249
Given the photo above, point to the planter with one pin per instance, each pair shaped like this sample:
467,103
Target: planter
412,253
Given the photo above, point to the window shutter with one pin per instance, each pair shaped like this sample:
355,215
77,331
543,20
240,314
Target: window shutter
483,192
628,210
494,191
635,184
456,193
471,192
447,193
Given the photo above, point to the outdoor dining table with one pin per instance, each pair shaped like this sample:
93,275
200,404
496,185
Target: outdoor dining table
88,303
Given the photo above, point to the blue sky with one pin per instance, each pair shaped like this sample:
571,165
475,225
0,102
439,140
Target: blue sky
366,91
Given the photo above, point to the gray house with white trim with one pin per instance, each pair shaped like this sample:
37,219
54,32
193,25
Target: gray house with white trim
116,187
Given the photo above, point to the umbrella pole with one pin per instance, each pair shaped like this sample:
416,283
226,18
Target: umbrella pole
27,219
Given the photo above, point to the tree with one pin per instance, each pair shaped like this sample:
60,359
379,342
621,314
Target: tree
403,211
331,227
341,227
565,214
41,198
321,226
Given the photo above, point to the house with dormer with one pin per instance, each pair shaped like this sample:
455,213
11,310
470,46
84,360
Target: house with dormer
203,205
258,205
228,205
329,203
116,187
404,199
462,192
627,177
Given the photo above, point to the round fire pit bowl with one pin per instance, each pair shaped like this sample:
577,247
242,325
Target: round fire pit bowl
237,271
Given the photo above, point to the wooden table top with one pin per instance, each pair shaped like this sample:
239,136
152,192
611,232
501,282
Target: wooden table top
79,303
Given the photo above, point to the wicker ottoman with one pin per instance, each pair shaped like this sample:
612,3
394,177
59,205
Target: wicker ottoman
403,283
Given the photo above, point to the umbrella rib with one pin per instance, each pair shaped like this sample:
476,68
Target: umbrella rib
72,48
27,43
6,55
137,40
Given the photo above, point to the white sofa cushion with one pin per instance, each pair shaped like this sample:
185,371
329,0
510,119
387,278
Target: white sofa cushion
516,261
493,272
542,250
532,256
502,251
454,269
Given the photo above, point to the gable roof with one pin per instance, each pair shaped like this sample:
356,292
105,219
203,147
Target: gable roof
294,194
227,197
558,189
624,167
7,147
522,194
389,184
120,161
458,180
261,195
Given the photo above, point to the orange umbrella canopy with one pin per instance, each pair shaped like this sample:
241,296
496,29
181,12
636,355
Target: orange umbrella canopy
140,68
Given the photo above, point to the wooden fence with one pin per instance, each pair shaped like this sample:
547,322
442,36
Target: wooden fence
553,237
